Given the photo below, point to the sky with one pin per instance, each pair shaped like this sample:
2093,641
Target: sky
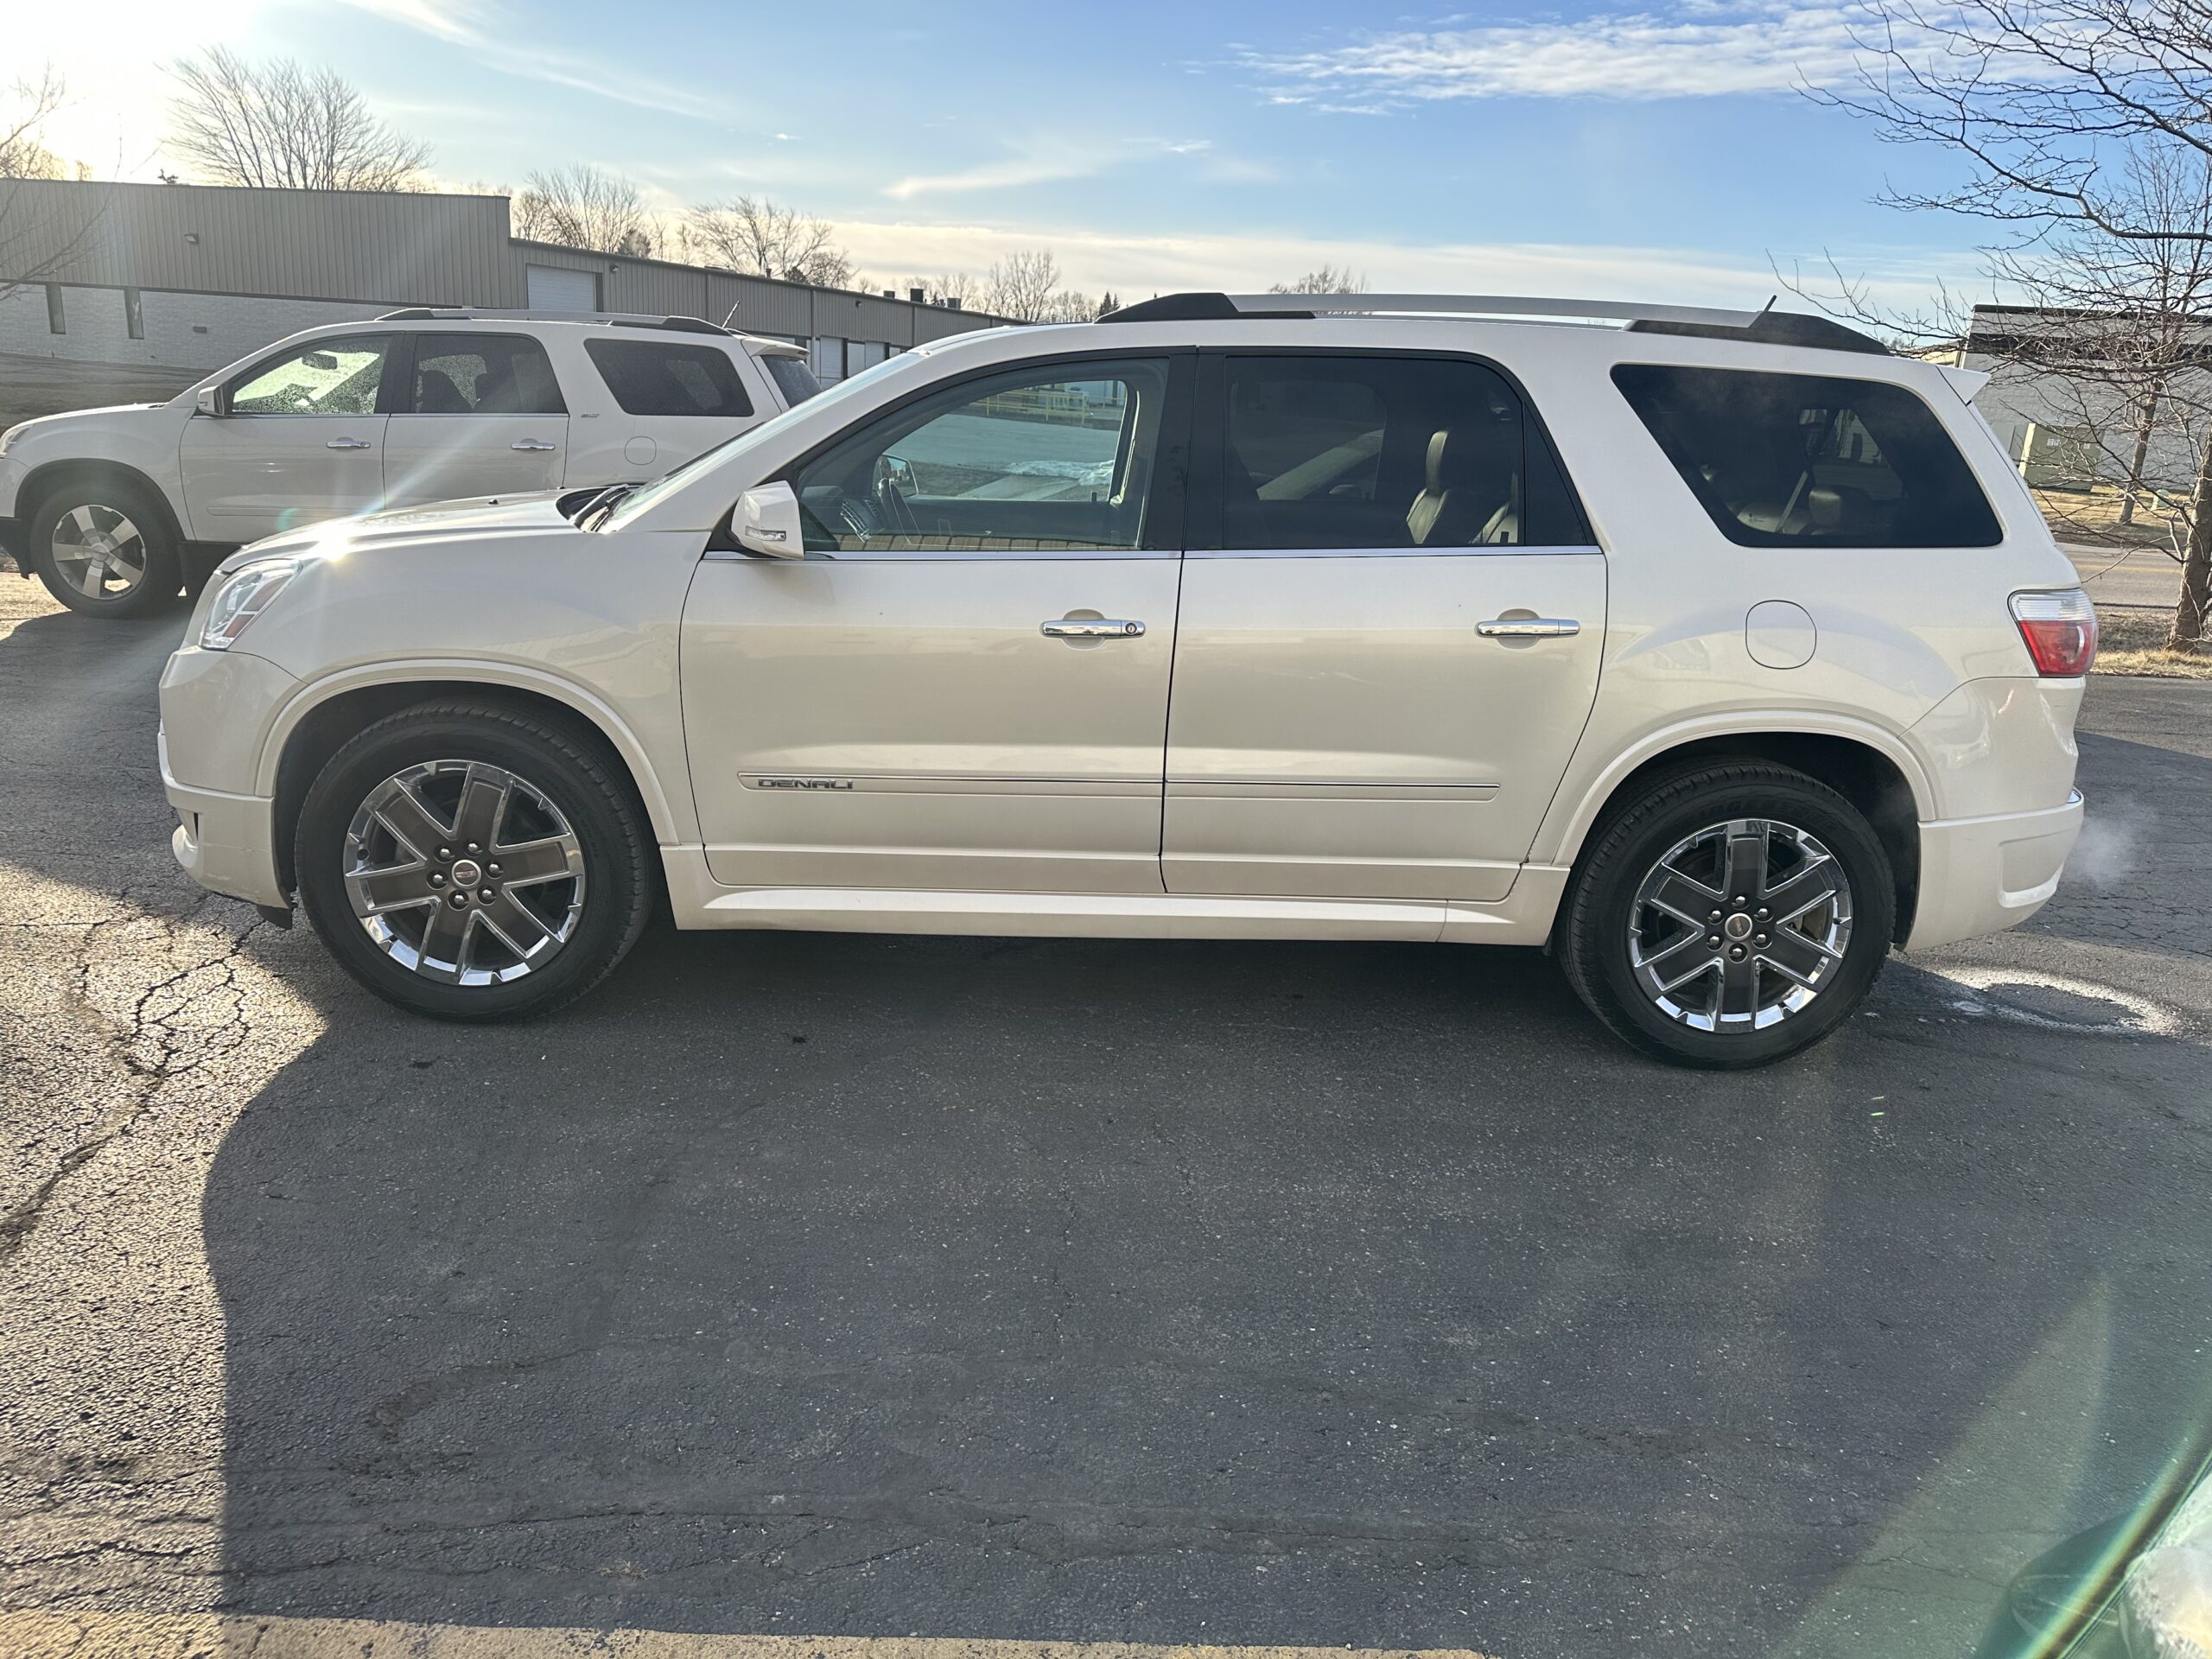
1659,151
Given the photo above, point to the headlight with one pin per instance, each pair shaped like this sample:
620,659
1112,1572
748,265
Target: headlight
246,593
10,435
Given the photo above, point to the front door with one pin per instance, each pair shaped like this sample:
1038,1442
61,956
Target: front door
482,415
963,684
1391,623
303,440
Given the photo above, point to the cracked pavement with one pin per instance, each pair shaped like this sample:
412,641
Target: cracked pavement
1079,1291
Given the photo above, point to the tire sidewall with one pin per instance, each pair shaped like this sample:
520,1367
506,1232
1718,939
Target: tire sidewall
612,851
164,574
1606,894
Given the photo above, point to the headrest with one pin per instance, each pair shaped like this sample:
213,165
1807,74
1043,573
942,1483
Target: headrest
1460,455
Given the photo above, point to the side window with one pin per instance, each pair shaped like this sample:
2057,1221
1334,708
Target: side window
1043,459
792,378
483,374
651,377
1810,461
1360,453
328,376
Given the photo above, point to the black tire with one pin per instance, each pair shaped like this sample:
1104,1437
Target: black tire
564,771
108,502
1610,917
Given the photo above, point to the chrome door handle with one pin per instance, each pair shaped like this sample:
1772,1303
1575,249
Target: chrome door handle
532,443
1528,628
1090,627
347,444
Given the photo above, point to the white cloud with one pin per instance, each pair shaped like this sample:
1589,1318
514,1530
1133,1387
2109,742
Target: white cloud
994,175
1134,266
1047,161
497,41
1696,49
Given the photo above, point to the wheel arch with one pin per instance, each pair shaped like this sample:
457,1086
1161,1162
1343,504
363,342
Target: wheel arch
1870,768
42,481
322,718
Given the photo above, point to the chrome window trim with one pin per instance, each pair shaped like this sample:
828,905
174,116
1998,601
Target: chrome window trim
1031,556
1394,552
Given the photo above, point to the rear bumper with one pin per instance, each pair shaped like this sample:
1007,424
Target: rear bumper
1981,875
223,842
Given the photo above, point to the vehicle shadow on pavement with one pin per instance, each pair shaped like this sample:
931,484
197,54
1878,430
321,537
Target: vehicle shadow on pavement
1085,1290
1248,1292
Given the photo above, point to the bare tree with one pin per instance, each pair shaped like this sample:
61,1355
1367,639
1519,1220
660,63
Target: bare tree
281,125
24,154
1329,279
40,235
947,288
762,238
2085,127
583,206
2041,98
1023,285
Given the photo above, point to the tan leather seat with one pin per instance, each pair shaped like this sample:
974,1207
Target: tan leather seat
1471,497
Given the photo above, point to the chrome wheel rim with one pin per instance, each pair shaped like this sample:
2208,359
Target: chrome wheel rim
464,872
99,551
1740,926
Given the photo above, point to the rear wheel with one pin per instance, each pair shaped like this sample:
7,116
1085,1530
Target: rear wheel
104,548
473,863
1736,914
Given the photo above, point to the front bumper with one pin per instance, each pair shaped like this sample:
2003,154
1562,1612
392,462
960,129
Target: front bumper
225,842
1981,875
217,708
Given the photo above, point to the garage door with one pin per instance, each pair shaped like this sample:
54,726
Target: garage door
556,287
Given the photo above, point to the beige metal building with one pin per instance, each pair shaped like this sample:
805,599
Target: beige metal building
193,277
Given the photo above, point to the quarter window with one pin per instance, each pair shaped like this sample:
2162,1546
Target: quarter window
1041,460
483,374
328,376
651,376
1382,453
792,378
1810,461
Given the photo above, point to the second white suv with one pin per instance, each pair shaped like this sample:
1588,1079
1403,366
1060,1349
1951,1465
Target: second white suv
117,508
1718,653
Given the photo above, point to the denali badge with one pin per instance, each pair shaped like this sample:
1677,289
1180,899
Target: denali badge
805,783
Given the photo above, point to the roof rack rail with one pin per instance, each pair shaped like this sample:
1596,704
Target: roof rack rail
617,318
1767,327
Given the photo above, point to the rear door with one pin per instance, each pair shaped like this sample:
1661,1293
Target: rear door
481,415
303,440
673,396
1391,619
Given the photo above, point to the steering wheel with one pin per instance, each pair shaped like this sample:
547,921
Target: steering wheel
891,503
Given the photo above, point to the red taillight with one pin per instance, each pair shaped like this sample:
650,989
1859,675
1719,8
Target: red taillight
2060,631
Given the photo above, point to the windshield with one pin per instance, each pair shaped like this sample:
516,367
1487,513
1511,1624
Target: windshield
642,500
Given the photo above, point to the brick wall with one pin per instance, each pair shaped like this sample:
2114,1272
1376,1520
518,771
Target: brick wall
183,331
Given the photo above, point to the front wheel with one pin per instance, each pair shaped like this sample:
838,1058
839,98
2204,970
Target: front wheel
1736,914
474,863
103,548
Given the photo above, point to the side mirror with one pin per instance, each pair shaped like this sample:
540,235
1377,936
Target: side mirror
211,401
766,521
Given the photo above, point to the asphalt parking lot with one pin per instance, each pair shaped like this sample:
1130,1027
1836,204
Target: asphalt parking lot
1224,1294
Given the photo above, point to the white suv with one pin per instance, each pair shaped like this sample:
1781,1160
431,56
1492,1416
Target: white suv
117,508
1718,653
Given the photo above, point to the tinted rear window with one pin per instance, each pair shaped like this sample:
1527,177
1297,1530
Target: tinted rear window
792,378
651,377
1811,460
1340,450
483,374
